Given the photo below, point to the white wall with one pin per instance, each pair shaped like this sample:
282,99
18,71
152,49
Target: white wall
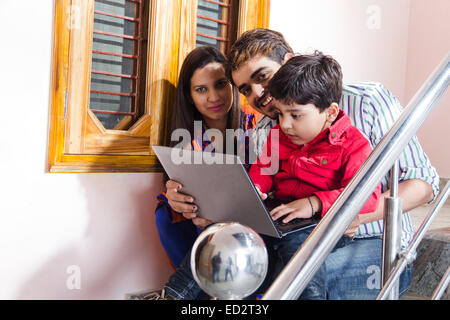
367,37
101,223
428,43
397,43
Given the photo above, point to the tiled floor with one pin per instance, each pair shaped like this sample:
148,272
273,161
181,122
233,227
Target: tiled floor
441,220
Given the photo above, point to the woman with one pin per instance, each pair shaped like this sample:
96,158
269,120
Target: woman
205,99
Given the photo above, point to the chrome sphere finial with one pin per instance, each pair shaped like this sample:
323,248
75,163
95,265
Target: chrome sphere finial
229,260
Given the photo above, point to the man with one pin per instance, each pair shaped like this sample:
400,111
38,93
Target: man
353,271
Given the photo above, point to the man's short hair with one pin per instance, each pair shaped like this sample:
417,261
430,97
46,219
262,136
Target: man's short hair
308,79
255,42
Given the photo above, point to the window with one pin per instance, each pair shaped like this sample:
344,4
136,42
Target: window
115,67
214,23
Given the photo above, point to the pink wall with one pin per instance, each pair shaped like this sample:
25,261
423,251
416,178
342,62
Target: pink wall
397,43
428,43
368,37
103,223
116,250
63,236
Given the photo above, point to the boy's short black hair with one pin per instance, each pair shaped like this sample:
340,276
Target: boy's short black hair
305,79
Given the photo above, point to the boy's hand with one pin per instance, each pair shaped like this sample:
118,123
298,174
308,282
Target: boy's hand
296,209
262,195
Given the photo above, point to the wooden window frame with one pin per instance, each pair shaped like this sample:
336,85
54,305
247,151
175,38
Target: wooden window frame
171,36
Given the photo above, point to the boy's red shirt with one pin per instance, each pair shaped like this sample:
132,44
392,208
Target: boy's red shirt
322,167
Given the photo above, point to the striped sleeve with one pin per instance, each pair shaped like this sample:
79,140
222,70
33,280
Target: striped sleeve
413,161
377,111
373,110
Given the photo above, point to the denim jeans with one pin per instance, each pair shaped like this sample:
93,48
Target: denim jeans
286,247
351,271
354,271
181,284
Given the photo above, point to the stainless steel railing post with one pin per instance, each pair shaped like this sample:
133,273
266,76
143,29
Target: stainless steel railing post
409,254
392,235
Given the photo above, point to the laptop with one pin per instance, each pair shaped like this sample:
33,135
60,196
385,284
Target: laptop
223,190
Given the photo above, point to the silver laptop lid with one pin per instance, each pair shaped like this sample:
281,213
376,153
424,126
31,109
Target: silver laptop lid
222,191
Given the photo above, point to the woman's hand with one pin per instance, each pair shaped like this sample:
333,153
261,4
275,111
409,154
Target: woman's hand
180,202
184,204
201,222
302,208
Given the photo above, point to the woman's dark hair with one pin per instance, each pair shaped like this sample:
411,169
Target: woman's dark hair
184,111
304,79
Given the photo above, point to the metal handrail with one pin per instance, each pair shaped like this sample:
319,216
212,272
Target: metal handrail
304,264
409,254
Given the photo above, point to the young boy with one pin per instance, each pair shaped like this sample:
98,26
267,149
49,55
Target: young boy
319,150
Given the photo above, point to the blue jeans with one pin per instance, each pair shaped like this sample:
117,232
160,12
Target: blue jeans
286,247
181,284
354,271
351,271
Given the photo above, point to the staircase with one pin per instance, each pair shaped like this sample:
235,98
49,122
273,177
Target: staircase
433,254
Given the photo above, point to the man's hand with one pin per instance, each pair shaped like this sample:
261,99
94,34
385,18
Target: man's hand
184,204
353,228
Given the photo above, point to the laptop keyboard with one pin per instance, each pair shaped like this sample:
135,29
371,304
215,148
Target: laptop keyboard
295,223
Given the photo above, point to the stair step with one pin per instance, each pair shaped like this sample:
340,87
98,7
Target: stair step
412,296
433,259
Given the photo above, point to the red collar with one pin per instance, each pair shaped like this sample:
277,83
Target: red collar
334,134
